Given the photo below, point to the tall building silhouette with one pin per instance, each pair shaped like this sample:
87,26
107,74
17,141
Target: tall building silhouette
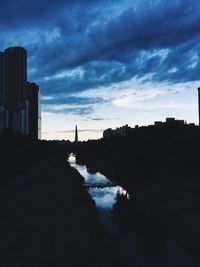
15,87
2,92
2,80
18,99
34,114
199,104
4,123
76,134
15,75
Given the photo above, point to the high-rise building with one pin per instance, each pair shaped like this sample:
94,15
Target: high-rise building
2,92
2,80
34,114
19,100
16,68
3,109
199,104
15,87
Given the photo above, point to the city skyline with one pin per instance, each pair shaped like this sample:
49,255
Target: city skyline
105,64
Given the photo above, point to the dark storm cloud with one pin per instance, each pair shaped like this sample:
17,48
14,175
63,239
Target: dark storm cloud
32,11
113,49
111,41
75,105
69,110
141,28
94,74
71,100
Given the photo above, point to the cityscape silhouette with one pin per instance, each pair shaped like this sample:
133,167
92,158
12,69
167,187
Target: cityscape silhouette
99,133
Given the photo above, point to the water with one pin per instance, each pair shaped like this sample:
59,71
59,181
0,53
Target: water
138,250
104,197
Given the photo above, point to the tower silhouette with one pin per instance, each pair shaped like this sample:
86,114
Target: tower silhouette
76,134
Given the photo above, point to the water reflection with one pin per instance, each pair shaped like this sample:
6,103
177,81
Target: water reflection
134,247
90,177
103,197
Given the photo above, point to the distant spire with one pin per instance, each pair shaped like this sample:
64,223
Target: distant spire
76,134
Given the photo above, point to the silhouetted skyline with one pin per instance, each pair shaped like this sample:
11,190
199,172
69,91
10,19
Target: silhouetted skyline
104,64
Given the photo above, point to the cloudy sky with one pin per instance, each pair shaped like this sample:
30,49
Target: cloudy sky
106,63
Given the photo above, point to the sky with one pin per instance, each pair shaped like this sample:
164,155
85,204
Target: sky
106,63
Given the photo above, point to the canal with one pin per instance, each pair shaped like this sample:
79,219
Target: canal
137,250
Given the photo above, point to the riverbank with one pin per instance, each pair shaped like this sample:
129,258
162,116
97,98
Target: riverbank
19,154
167,202
49,219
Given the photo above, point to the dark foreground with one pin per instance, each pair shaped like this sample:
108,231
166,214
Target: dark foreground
159,168
164,206
48,219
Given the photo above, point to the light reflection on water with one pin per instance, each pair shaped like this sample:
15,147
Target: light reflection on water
104,197
140,252
90,177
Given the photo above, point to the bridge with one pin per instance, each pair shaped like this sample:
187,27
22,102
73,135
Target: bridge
100,185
